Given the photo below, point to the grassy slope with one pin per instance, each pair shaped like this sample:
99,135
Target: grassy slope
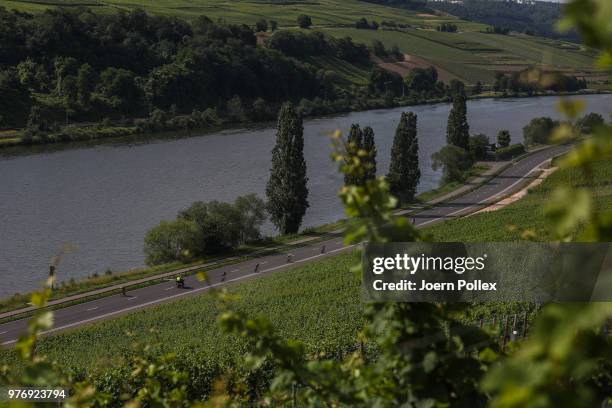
323,12
319,303
525,213
475,56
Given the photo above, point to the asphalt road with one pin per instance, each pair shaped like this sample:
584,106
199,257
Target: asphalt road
508,181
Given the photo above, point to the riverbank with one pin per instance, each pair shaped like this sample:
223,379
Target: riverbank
210,121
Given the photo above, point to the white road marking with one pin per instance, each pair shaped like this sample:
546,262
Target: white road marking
132,297
170,288
521,179
2,332
92,308
153,302
235,270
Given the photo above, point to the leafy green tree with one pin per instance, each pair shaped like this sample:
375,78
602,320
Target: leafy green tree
261,26
304,21
119,89
404,173
355,143
454,162
235,111
538,131
36,122
30,74
286,190
70,89
261,110
385,82
251,213
588,123
455,88
503,138
171,241
422,79
478,146
206,228
63,66
224,226
379,48
15,101
369,145
457,128
86,84
273,25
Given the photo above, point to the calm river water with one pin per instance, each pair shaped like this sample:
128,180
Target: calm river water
103,199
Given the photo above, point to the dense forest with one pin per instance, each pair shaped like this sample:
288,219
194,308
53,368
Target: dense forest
72,64
534,19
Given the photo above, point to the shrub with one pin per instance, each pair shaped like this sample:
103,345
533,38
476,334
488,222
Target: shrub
454,162
261,26
503,138
510,152
587,123
478,146
304,21
538,131
204,229
170,241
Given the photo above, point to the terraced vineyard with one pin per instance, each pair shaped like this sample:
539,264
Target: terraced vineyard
475,56
323,12
349,73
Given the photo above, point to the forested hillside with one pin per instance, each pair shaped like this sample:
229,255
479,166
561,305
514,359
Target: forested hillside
74,63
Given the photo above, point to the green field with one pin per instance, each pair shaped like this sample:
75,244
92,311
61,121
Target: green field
507,223
475,56
319,303
323,12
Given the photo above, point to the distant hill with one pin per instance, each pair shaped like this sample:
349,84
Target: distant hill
535,19
409,4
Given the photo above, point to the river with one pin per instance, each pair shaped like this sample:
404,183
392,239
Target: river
102,199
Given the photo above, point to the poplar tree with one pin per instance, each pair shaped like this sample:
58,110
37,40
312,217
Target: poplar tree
354,144
457,129
370,147
404,173
286,191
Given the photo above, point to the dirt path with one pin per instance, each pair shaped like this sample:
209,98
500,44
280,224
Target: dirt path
519,194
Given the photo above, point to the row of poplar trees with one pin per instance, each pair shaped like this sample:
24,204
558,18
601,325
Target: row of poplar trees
287,191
